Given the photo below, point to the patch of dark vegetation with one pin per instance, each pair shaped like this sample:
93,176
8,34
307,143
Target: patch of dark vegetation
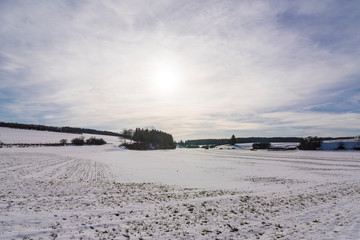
261,145
9,145
136,146
182,144
232,140
223,141
341,146
80,141
58,129
282,149
95,141
145,139
310,143
63,142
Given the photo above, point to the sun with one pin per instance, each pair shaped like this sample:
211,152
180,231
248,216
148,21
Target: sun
166,77
166,80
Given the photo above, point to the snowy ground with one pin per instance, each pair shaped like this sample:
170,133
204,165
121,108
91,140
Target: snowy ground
103,192
334,144
13,135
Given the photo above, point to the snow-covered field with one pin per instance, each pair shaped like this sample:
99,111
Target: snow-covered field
104,192
12,135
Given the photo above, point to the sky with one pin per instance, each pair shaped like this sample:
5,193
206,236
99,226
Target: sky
195,69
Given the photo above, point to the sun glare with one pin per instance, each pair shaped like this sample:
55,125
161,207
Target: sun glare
165,78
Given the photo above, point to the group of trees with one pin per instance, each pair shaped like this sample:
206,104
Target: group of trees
261,145
314,143
145,139
81,141
310,143
154,139
127,133
58,129
223,141
181,143
307,143
232,141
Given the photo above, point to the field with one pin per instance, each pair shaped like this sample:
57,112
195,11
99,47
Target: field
105,192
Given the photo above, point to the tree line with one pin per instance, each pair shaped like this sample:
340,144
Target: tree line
232,140
58,129
81,141
306,143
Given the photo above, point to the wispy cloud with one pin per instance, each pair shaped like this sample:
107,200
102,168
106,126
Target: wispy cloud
241,66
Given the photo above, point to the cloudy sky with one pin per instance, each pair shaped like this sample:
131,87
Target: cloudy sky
196,69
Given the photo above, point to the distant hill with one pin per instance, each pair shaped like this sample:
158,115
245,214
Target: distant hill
58,129
251,140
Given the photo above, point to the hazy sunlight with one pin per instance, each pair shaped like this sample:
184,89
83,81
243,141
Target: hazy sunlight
165,77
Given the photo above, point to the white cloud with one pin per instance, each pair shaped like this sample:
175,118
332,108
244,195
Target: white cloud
317,123
92,60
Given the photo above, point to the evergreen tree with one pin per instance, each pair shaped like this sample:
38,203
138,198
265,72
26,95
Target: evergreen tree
310,143
151,139
233,140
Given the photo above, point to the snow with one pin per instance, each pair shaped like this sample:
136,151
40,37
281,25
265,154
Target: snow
285,145
236,146
330,145
105,192
12,135
334,144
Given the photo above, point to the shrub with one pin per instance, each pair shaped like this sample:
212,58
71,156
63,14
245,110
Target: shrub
341,146
63,142
95,141
261,145
136,146
310,143
128,133
181,143
78,141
